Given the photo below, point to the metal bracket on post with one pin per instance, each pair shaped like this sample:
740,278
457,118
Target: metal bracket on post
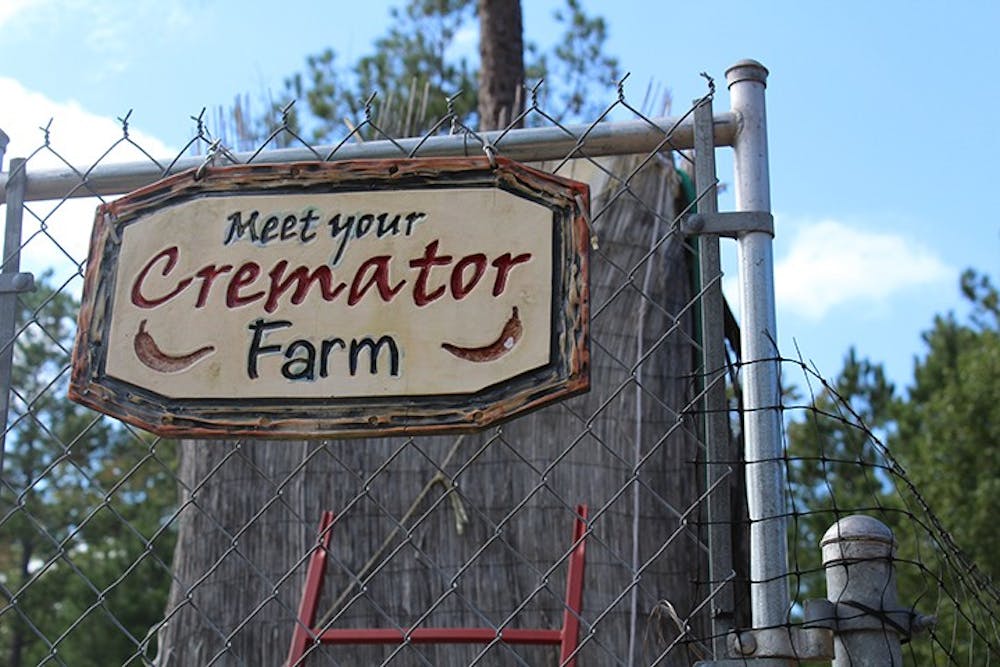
731,225
813,640
806,642
17,282
848,616
861,625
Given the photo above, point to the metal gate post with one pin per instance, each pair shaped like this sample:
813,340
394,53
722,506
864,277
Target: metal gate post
12,281
769,599
718,455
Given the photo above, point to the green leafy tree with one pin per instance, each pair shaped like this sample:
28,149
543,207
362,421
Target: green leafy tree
947,438
416,79
84,562
836,466
949,425
941,496
409,65
579,64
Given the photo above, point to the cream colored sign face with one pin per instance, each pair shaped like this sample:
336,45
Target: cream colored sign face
398,293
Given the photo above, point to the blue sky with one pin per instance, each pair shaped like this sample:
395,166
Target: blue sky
881,120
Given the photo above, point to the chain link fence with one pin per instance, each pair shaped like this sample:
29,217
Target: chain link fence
117,547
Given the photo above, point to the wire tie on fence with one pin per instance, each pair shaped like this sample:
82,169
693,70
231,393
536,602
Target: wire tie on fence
585,212
46,130
368,106
124,122
209,160
200,122
491,153
285,110
621,87
711,83
450,101
533,92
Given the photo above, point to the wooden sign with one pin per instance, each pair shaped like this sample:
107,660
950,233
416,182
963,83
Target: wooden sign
342,299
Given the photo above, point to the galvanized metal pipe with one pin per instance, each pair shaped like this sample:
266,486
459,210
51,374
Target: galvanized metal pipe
769,599
4,140
14,191
533,144
858,554
718,456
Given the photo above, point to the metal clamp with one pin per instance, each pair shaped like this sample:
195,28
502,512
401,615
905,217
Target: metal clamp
731,224
813,640
846,616
15,283
790,643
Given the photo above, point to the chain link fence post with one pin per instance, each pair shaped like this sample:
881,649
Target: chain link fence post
12,281
858,556
721,565
769,597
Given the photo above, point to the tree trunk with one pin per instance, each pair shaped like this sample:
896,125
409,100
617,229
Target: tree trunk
501,54
18,638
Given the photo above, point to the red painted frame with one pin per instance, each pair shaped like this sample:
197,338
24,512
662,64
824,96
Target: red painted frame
567,637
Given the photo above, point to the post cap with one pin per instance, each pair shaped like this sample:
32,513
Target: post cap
746,70
857,537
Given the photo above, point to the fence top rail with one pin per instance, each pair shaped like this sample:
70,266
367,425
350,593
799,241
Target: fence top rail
531,144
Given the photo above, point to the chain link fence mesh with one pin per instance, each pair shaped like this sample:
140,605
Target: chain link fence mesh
117,547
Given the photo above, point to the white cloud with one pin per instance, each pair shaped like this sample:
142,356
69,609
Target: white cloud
52,230
830,264
11,8
465,43
103,34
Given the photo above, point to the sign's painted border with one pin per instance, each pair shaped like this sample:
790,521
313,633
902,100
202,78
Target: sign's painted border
566,374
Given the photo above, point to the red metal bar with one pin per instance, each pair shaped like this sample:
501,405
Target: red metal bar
439,636
566,637
574,590
304,631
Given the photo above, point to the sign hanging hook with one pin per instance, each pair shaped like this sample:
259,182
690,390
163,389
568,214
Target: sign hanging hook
491,153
